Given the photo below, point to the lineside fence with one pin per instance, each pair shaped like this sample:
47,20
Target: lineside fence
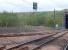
26,21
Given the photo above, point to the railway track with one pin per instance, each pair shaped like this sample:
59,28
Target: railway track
66,46
19,35
41,41
49,40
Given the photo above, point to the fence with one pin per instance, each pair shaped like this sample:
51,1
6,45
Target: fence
24,21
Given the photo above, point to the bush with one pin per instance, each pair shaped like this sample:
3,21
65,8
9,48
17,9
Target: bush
34,19
8,19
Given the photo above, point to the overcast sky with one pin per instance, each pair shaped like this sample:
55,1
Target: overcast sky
26,5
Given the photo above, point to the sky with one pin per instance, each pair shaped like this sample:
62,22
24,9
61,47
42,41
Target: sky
27,5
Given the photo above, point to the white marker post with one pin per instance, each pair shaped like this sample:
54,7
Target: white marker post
57,26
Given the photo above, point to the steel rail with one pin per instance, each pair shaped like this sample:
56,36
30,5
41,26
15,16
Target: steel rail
36,40
48,40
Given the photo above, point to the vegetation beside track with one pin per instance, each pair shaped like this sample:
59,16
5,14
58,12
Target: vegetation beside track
29,18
